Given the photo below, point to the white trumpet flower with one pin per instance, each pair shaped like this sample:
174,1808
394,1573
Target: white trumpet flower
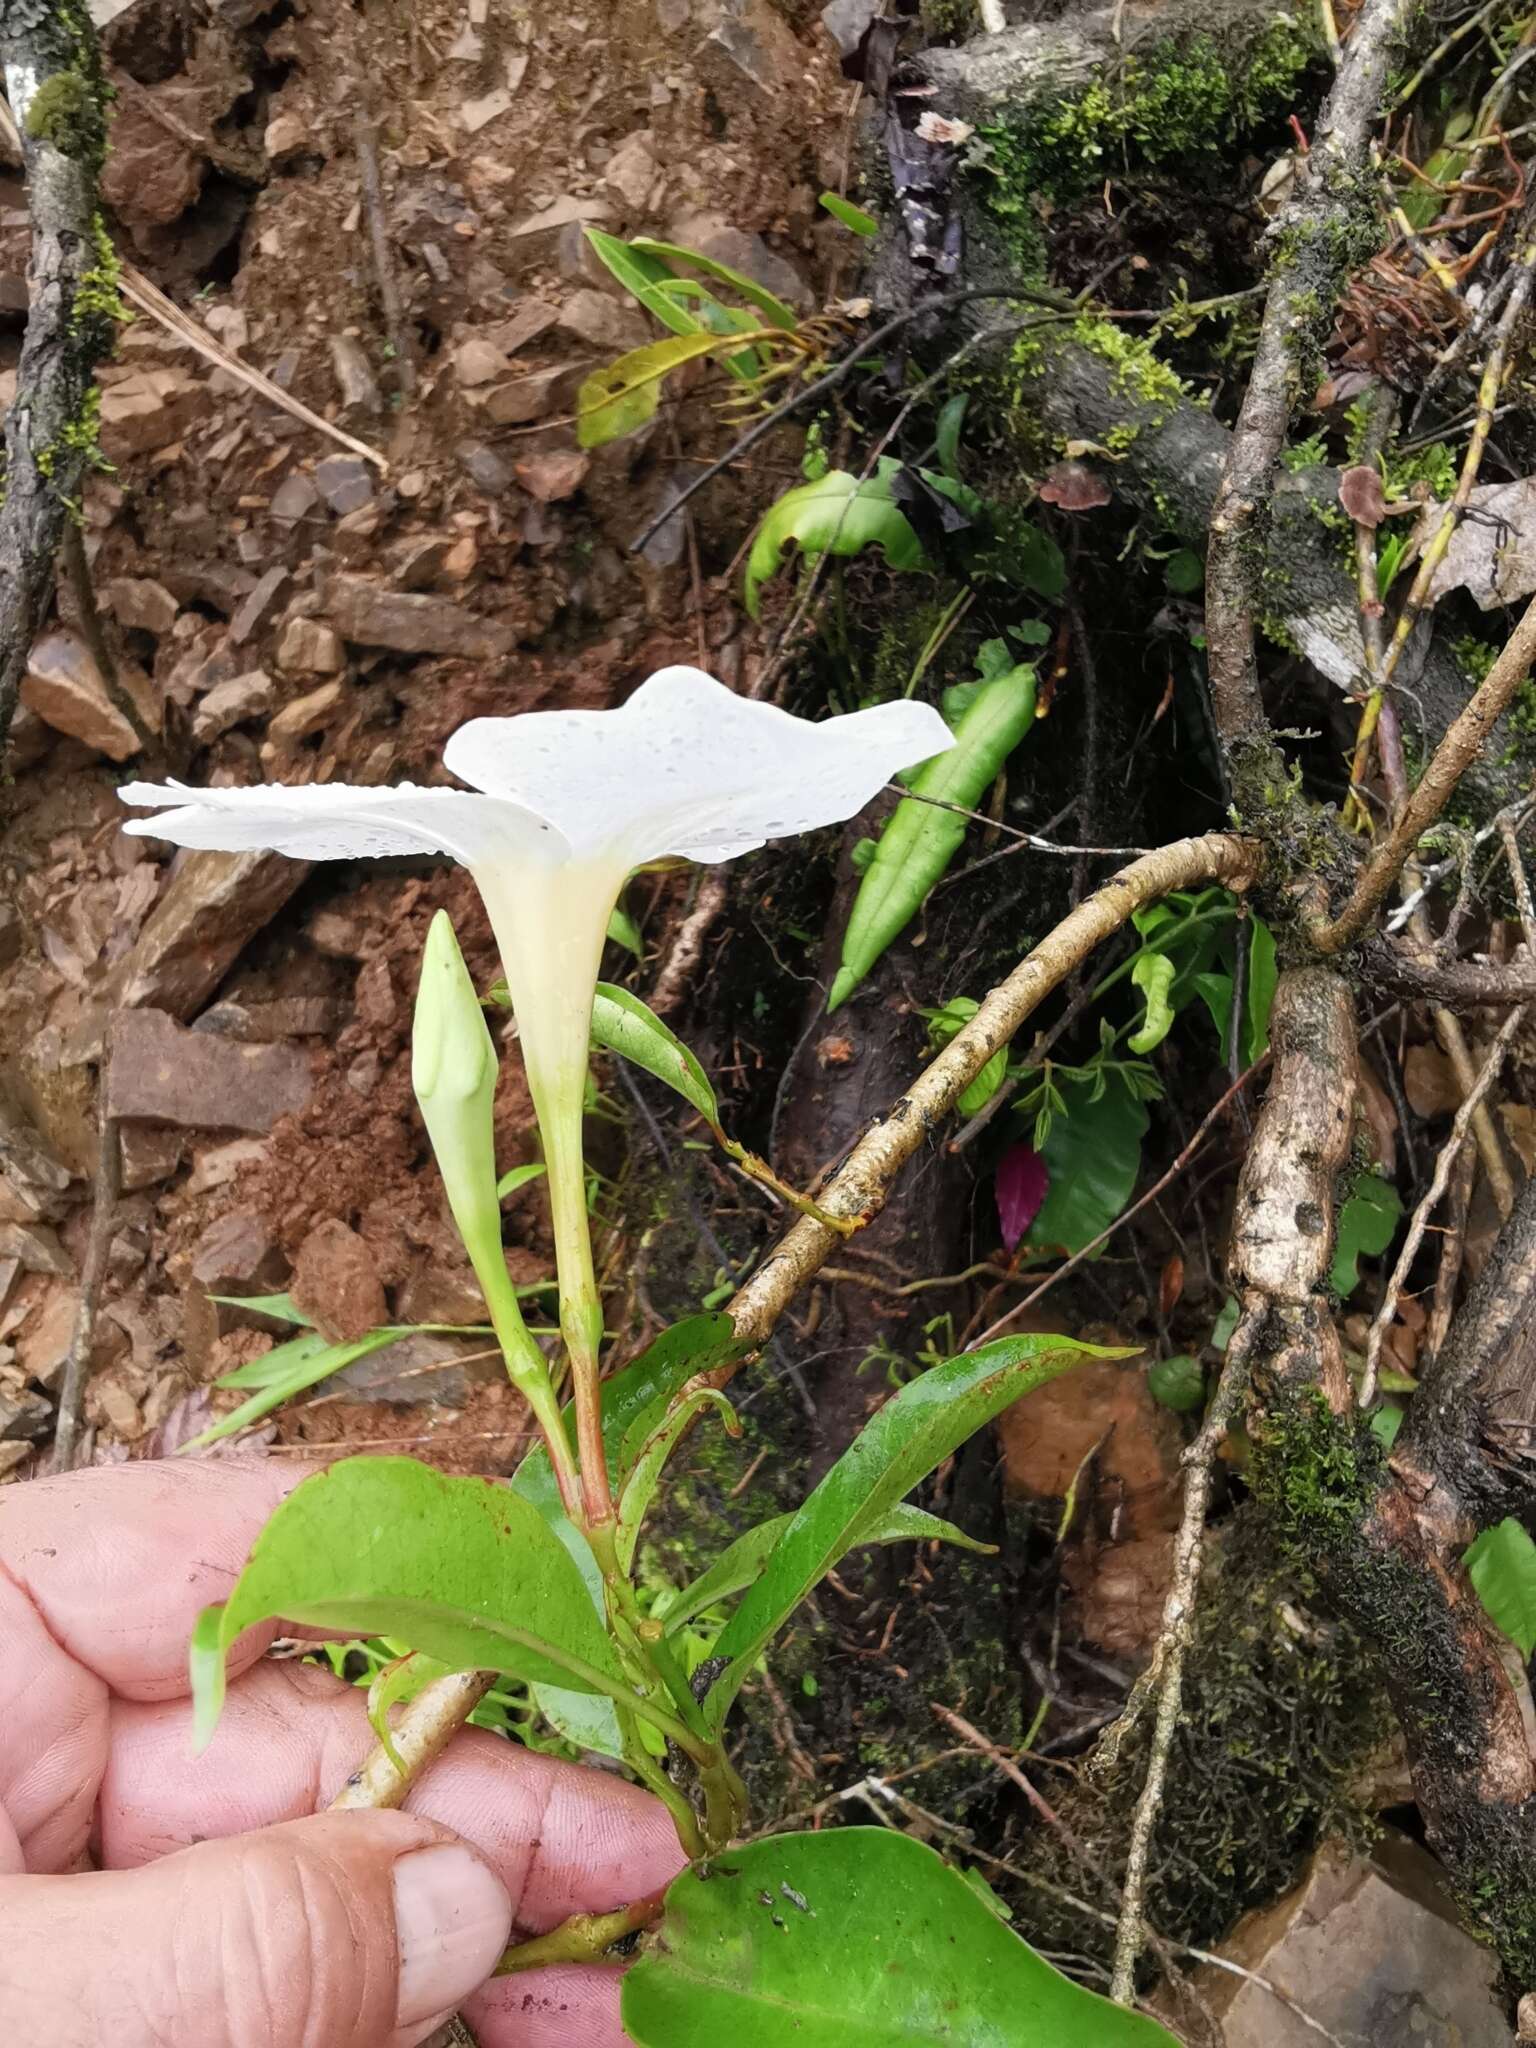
568,803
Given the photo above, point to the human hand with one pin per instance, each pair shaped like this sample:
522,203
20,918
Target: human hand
228,1909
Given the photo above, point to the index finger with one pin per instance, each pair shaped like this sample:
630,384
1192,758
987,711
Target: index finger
119,1561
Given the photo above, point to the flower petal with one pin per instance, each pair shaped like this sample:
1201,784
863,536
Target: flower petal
330,821
688,767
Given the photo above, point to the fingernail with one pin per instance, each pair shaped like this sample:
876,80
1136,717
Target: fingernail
452,1920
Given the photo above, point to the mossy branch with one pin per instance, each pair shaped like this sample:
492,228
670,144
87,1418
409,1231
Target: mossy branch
60,96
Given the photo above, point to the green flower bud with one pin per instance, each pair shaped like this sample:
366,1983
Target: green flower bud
453,1070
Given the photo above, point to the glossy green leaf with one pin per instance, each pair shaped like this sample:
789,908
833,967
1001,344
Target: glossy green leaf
519,1177
848,215
1093,1155
634,1401
946,432
838,514
1259,992
1153,974
741,1563
625,1025
285,1370
624,932
644,278
920,838
1178,1383
916,1429
459,1568
650,1461
772,308
278,1306
1501,1564
623,396
853,1938
1367,1224
943,1024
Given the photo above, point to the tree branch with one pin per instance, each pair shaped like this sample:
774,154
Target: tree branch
58,94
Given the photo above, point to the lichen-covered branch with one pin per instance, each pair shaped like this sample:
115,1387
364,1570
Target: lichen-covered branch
1383,1535
58,95
1327,228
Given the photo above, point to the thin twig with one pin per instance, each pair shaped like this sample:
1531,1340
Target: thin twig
687,947
1449,1152
1463,741
107,1193
1166,1672
365,136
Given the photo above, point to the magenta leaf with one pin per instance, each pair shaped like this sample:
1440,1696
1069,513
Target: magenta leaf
1023,1180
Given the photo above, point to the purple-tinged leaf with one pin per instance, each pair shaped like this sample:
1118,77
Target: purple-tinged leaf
1023,1181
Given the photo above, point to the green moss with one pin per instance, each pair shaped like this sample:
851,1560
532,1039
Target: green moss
1140,374
1475,657
1316,1472
1308,454
66,114
1178,102
98,300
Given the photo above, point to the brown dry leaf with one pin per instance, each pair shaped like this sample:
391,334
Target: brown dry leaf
1381,1116
1493,550
1074,487
1429,1082
1520,1128
1362,495
1171,1284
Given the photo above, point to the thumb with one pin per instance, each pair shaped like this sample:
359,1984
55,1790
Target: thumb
346,1930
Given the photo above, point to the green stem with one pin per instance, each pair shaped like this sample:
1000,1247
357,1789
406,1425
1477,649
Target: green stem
528,1370
584,1938
581,1314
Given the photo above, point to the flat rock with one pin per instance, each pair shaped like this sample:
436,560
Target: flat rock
233,702
256,608
234,1251
305,716
423,1367
749,40
36,1248
632,171
749,254
64,687
144,411
355,380
1368,1946
554,475
531,318
280,1017
150,1154
308,647
214,906
345,483
199,1081
294,498
411,623
42,1345
141,602
478,361
337,1284
602,322
11,934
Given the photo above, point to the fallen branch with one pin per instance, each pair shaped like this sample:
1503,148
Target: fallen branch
50,56
93,1271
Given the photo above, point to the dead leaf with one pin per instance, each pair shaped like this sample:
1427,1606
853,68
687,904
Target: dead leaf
932,127
1492,553
1362,495
1429,1082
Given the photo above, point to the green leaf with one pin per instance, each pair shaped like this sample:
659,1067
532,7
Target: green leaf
624,932
943,1025
622,397
519,1177
837,514
946,433
741,1564
1093,1155
284,1371
1501,1564
1178,1383
644,278
921,839
1259,993
851,216
459,1568
772,308
1367,1224
279,1306
622,1023
1184,571
650,1461
853,1938
916,1429
1153,974
634,1401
